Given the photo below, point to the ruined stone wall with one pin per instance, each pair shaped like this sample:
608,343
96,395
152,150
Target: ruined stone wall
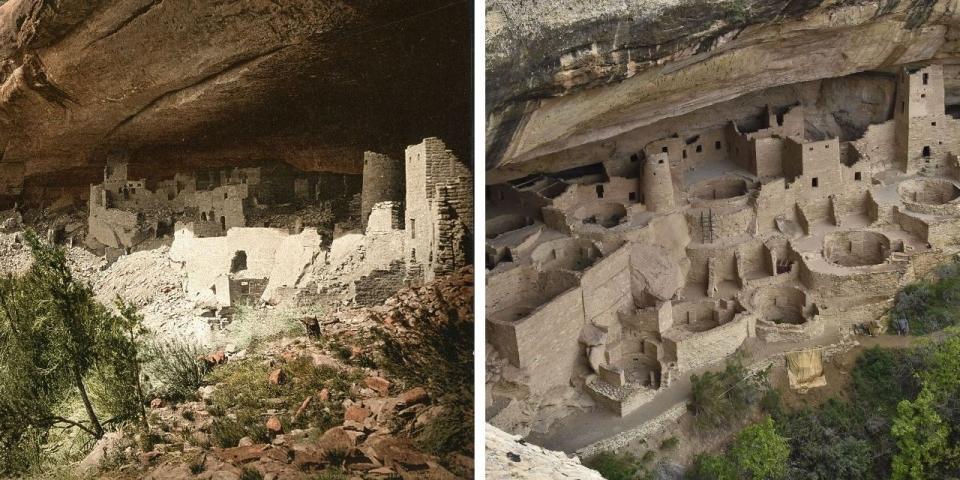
697,349
606,288
552,359
383,181
827,284
618,189
720,222
379,285
774,199
812,168
657,184
506,198
222,205
878,146
385,217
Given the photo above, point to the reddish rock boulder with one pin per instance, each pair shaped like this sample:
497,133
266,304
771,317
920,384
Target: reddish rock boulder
378,384
274,427
277,377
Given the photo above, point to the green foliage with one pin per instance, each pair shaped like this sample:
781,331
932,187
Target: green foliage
243,389
55,341
712,467
250,473
926,447
930,305
760,452
226,432
719,398
173,369
616,466
670,444
922,439
737,11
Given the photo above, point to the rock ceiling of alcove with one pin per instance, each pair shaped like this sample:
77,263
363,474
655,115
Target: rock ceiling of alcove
563,74
311,83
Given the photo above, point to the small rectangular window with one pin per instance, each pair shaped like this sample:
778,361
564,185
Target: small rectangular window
633,196
933,123
815,182
856,176
699,148
718,145
684,153
664,149
926,78
413,228
599,191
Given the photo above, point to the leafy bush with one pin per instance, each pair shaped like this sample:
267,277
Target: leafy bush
616,466
930,305
719,398
758,452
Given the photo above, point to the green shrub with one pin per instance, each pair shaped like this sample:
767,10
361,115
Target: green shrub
720,398
930,305
616,466
712,467
250,473
227,432
670,443
174,369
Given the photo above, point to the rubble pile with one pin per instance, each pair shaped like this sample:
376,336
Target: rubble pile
373,438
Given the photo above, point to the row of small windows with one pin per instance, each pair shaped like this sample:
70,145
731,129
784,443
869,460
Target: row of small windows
717,145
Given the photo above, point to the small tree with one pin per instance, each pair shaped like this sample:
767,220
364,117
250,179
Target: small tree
53,336
759,452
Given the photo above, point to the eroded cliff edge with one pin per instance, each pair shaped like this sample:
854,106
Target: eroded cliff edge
565,77
181,84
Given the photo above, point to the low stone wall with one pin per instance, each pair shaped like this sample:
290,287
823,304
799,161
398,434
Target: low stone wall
664,421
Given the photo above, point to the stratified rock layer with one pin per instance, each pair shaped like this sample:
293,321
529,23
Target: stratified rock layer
180,84
572,74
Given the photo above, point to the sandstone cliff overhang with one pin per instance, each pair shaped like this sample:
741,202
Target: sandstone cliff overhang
568,74
182,84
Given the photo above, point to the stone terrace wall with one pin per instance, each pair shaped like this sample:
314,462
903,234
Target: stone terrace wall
379,285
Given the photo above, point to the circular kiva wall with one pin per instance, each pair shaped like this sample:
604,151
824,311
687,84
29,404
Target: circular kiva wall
856,248
606,214
565,254
780,304
719,188
929,191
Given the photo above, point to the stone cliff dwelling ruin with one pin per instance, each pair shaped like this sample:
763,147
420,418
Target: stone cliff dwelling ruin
416,217
618,276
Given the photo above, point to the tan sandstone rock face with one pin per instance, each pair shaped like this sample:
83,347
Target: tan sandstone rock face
180,85
507,457
585,73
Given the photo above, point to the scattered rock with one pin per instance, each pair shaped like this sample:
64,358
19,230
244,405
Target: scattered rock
324,395
157,403
379,384
414,396
277,377
274,426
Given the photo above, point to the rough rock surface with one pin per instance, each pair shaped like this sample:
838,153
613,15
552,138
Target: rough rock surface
571,74
510,457
211,83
